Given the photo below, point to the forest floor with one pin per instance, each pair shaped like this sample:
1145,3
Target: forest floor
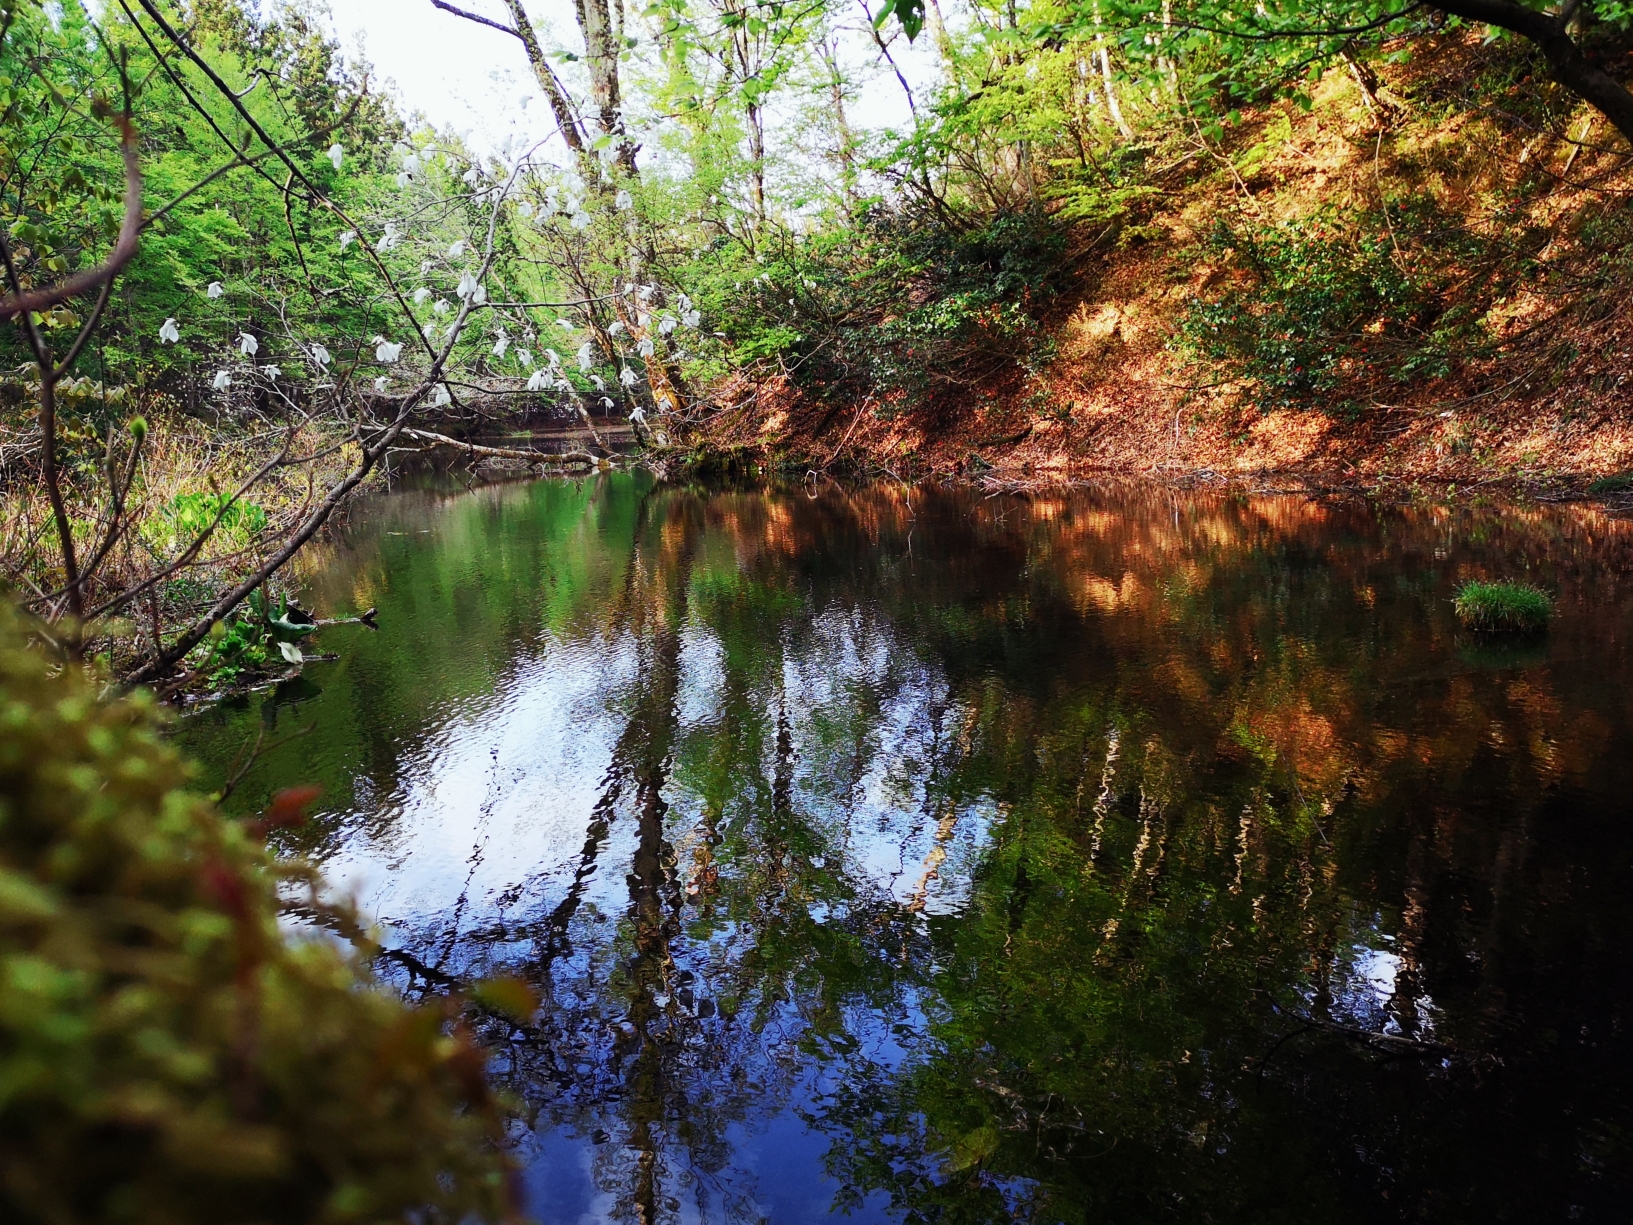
1120,396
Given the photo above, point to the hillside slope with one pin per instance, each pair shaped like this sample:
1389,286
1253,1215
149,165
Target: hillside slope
1537,393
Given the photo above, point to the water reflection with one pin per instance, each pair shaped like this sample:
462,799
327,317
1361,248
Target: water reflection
1128,855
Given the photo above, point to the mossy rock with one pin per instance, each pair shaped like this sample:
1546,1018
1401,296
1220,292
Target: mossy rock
168,1053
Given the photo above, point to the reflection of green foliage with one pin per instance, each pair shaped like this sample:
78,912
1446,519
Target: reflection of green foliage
167,1053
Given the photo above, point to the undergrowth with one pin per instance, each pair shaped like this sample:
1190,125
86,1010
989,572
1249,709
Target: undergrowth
904,303
1327,307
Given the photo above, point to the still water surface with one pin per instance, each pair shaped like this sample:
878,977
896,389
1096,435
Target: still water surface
1121,856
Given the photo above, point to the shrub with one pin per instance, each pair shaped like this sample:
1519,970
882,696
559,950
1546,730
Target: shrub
897,302
1502,607
167,1052
1335,301
1621,482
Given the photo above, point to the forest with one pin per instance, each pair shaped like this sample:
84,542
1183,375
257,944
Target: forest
790,386
243,278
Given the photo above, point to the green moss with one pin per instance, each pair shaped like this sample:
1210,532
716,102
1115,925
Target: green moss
1510,607
167,1052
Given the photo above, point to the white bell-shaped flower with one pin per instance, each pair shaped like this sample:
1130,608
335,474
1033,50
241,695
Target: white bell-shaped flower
565,325
480,296
615,328
335,154
692,318
248,345
539,380
525,208
347,239
668,324
429,331
169,333
420,295
682,301
222,380
628,377
389,239
404,178
442,396
623,200
381,383
645,347
458,249
645,292
606,403
215,290
500,345
320,355
426,265
411,164
440,306
385,351
581,221
526,359
586,356
637,416
595,379
468,286
271,372
471,176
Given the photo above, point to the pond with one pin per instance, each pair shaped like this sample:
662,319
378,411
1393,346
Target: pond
1118,855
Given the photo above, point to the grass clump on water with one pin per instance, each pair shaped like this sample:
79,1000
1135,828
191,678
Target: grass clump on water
1502,606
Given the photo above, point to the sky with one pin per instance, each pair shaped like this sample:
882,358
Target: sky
471,78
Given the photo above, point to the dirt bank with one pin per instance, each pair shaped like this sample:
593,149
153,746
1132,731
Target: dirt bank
1549,407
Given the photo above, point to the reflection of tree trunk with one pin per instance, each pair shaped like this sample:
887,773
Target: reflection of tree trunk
654,901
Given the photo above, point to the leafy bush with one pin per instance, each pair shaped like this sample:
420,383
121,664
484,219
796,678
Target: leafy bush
1502,607
1398,295
182,518
167,1053
899,302
1621,482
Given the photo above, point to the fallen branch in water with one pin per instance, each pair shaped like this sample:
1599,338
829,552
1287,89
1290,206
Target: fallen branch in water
472,448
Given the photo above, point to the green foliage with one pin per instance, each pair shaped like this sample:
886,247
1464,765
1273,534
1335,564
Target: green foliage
187,514
167,1051
1621,482
1502,607
901,304
1331,301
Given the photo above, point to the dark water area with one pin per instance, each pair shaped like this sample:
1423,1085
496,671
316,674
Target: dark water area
1125,855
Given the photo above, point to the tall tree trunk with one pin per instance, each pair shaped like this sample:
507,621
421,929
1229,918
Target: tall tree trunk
601,44
847,139
1109,83
522,28
756,154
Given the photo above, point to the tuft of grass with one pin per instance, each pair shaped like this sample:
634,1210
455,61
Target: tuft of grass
1502,607
1620,482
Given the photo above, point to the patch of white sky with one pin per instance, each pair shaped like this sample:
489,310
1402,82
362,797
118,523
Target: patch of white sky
474,80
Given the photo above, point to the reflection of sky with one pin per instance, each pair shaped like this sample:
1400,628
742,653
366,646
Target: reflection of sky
1369,992
496,794
486,823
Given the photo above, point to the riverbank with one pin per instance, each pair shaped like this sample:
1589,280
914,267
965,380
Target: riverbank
1519,359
